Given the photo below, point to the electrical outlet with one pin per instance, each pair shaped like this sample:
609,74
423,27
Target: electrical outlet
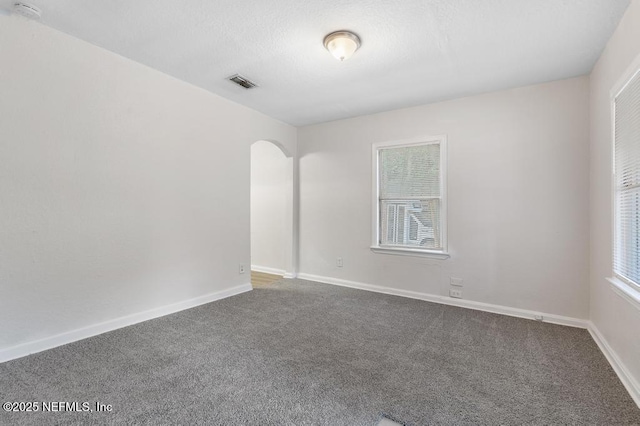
241,268
339,262
456,293
456,281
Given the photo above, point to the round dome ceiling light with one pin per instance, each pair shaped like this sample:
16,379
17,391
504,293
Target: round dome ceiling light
28,10
342,44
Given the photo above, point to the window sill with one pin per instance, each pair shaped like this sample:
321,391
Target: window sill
410,252
625,291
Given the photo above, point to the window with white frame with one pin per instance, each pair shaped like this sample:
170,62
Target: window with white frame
626,252
409,196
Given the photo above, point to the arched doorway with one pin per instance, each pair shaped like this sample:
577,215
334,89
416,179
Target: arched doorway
273,216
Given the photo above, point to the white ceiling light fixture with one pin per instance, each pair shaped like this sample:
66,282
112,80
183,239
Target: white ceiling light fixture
342,44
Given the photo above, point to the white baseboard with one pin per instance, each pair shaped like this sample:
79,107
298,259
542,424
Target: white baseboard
290,275
40,345
268,270
461,303
629,382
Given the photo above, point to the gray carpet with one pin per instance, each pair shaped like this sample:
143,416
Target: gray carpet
298,353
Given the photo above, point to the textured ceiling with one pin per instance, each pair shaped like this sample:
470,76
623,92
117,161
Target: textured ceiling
413,51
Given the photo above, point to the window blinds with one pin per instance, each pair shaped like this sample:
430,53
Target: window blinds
409,185
626,258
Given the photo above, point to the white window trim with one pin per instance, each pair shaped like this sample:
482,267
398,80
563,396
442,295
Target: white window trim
621,286
375,210
624,290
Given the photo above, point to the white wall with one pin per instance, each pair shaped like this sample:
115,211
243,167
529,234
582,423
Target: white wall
121,189
518,198
616,319
270,183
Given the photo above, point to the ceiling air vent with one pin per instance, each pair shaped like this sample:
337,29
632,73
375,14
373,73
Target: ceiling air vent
28,10
242,81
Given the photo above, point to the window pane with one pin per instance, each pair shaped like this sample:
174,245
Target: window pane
410,172
413,223
626,258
